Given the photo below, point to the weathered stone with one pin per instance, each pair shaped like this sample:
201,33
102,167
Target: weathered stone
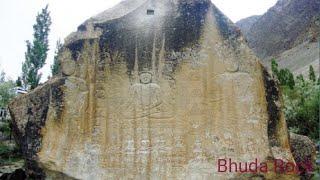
68,67
29,114
160,91
304,153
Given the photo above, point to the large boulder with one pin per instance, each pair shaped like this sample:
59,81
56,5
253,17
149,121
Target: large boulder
153,90
304,153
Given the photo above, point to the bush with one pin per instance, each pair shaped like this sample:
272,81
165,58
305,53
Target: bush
9,154
302,109
5,129
301,101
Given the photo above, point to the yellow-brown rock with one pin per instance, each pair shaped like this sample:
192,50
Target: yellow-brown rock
153,90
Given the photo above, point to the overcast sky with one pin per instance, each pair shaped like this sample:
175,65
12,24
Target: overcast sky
18,16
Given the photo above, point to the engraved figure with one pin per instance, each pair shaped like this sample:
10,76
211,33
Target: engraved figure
197,147
179,142
145,99
130,147
145,147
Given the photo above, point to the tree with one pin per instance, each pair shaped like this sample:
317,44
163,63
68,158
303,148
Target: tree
55,67
6,93
300,78
36,53
301,101
6,90
286,78
2,77
312,75
274,67
302,108
291,82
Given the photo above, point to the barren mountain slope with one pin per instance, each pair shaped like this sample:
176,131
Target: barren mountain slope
287,32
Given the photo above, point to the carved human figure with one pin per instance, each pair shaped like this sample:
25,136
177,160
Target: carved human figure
145,99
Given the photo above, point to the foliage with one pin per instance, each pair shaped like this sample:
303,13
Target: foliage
300,78
9,154
2,77
284,76
302,108
301,100
274,67
4,149
55,67
6,90
312,75
36,53
5,129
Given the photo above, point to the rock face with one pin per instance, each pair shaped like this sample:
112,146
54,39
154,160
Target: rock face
304,153
153,90
288,32
285,25
246,23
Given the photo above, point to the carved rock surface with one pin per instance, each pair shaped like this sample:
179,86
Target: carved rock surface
153,90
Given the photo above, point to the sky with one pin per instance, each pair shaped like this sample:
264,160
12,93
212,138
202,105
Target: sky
18,16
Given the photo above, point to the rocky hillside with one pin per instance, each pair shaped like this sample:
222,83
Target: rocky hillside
246,23
287,25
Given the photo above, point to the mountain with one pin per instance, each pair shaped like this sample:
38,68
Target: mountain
290,27
246,23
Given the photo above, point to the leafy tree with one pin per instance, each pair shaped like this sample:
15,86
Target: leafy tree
300,78
8,153
302,108
36,53
6,93
55,67
301,101
291,82
274,67
312,75
6,90
286,78
2,77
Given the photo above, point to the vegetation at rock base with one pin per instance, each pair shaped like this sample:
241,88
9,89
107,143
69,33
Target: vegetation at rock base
285,76
301,101
36,53
9,152
6,90
35,57
55,67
